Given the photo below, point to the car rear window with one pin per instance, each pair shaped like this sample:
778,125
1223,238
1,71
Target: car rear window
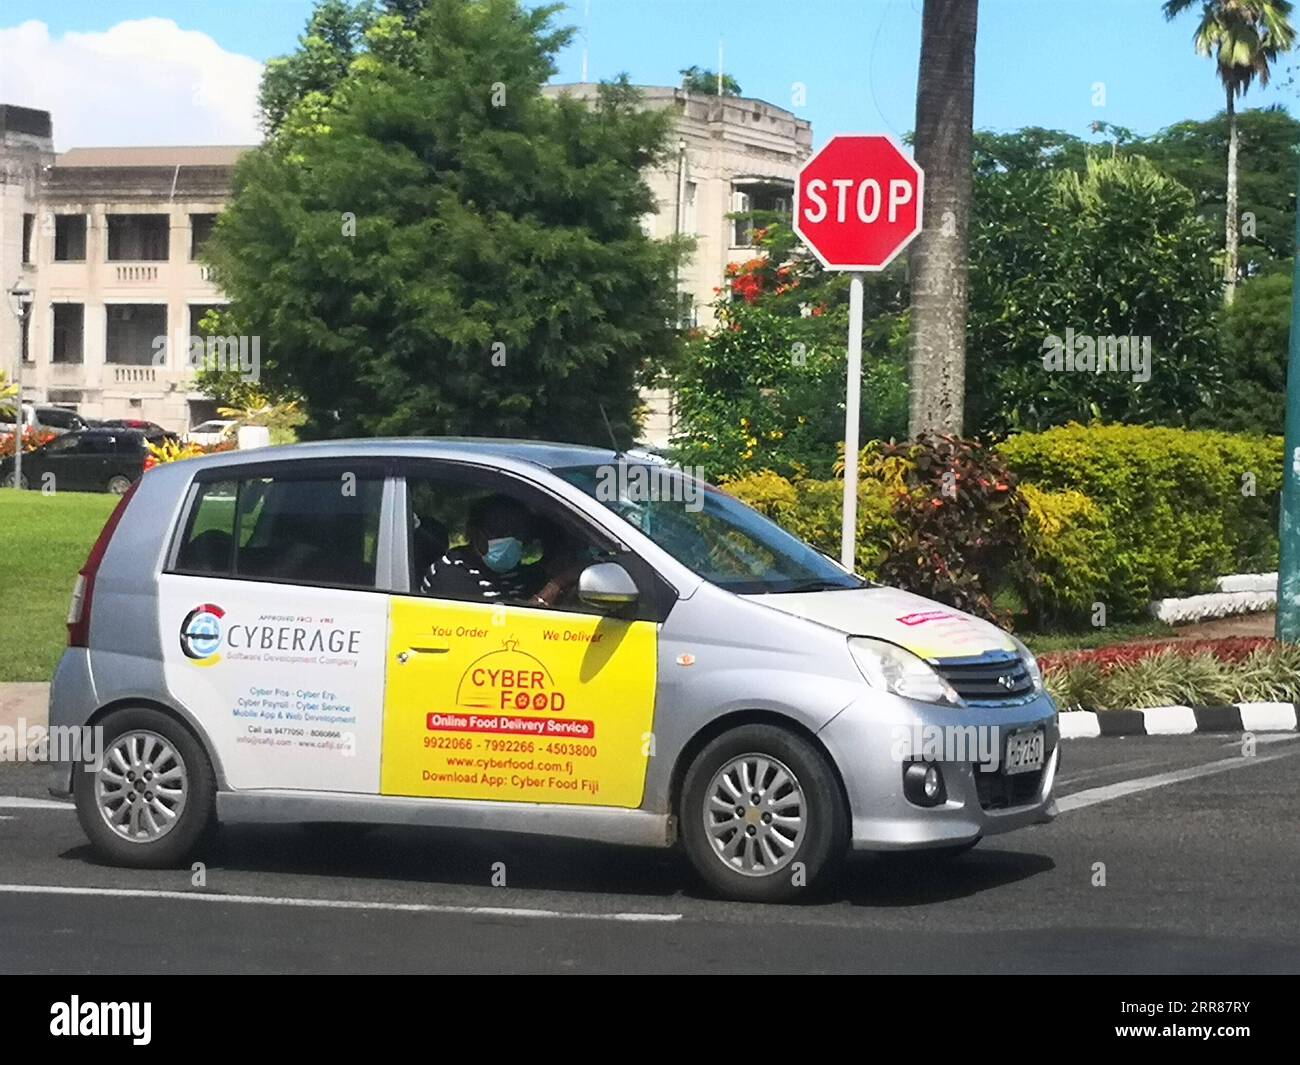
302,530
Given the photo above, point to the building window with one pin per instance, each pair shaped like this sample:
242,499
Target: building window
689,222
29,231
200,230
133,329
69,238
25,339
138,237
753,205
69,332
197,311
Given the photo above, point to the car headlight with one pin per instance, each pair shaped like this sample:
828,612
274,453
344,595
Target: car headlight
1031,664
889,668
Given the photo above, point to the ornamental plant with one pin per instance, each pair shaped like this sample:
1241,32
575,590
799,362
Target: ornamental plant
32,439
958,520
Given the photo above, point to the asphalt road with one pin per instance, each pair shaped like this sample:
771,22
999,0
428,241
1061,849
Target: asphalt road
1201,853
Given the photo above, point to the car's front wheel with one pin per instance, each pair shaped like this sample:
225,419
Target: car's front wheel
8,481
118,484
762,815
153,795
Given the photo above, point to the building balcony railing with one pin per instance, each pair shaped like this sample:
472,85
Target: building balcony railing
134,374
137,273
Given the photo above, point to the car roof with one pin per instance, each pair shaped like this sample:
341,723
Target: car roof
544,453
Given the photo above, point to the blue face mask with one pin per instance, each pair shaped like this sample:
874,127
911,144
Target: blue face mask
504,554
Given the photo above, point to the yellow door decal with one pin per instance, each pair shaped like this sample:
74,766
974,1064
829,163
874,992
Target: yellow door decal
487,702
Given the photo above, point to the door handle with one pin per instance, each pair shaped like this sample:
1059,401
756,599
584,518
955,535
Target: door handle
404,656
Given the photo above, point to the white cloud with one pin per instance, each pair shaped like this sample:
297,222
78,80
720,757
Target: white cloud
144,81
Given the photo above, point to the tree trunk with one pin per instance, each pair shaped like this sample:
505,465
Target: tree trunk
944,114
1231,228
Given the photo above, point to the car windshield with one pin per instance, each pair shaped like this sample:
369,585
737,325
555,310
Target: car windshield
718,537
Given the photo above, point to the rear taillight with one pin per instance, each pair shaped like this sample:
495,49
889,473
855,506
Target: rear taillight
84,589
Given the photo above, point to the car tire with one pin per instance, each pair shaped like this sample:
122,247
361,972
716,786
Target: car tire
119,484
162,825
9,481
781,841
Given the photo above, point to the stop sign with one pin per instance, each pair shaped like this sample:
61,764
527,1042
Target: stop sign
857,202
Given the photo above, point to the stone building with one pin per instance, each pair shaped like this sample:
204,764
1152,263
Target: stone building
107,240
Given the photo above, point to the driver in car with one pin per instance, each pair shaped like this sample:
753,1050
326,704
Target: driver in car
491,566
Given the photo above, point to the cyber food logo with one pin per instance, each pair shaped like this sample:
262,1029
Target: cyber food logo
201,634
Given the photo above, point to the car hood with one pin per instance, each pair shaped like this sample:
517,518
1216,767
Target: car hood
921,625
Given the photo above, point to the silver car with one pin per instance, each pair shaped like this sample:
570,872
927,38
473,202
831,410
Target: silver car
527,637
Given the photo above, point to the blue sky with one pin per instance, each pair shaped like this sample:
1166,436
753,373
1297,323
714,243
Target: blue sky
1038,62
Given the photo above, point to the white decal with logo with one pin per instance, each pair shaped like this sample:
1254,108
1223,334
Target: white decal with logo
287,681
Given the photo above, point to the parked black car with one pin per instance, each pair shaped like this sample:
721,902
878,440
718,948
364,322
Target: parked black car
153,432
91,460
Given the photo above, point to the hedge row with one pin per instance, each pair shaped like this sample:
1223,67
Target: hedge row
1112,514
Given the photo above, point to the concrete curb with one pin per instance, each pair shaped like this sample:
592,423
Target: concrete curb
1180,720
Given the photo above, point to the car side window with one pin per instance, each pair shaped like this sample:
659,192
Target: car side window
206,547
491,542
64,445
302,530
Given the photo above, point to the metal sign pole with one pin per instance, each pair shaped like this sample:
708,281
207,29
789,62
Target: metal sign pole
1288,576
852,407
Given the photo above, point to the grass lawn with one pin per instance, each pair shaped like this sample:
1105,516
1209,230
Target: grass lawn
44,539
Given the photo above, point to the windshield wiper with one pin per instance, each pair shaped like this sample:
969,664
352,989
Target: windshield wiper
821,584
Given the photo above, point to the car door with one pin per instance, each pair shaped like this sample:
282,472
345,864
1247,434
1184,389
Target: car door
502,699
274,623
65,464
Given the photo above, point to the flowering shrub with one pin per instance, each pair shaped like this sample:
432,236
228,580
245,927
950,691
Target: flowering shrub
1177,673
1227,649
958,520
32,439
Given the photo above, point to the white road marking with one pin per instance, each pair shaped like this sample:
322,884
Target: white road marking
332,904
1092,796
21,802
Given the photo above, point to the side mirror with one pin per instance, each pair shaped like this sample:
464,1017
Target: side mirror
607,586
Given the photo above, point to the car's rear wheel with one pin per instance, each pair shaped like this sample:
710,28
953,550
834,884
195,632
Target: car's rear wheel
762,815
8,481
119,484
153,796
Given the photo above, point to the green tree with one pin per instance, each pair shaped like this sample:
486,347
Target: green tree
1253,335
1030,148
1117,251
705,82
1244,37
764,388
1191,152
432,246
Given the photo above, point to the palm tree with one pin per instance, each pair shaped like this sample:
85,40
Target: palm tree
1244,37
945,98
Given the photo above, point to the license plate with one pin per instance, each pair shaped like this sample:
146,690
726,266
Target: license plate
1025,752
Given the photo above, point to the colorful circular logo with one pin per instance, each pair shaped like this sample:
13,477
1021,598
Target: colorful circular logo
201,634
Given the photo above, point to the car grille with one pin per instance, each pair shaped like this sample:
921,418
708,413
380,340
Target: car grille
987,679
997,791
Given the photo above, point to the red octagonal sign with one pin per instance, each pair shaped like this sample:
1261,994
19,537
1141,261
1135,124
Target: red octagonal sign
857,202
